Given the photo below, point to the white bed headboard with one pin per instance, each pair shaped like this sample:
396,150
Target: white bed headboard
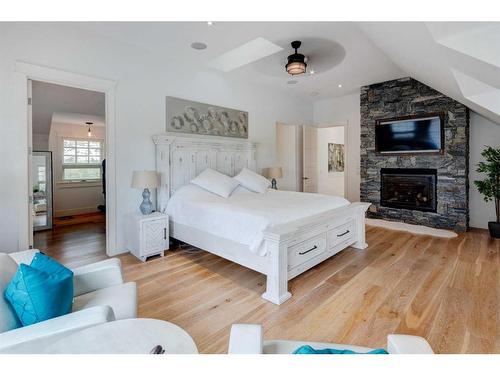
181,157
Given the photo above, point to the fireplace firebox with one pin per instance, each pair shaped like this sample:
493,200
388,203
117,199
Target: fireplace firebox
409,188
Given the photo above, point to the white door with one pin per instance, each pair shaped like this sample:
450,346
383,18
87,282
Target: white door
310,159
31,212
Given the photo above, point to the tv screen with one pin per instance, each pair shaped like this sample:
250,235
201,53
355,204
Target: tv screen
413,135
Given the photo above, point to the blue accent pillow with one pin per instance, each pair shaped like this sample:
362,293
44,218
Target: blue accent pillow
40,291
306,349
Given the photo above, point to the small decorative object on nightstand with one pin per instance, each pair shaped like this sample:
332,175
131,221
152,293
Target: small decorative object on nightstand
145,180
273,173
147,235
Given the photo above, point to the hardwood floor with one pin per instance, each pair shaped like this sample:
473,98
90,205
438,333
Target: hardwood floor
446,290
74,245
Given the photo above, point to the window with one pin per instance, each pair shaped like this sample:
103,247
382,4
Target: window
81,160
42,184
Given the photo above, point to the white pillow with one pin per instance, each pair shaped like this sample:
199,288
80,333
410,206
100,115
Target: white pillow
216,182
252,181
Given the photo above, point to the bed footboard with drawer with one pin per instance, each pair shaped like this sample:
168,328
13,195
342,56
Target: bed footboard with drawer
295,247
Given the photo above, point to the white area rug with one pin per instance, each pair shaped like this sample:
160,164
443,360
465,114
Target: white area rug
416,229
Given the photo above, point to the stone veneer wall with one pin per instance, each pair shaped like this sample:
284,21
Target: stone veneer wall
404,97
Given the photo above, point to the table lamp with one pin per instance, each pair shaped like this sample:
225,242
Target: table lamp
146,180
273,173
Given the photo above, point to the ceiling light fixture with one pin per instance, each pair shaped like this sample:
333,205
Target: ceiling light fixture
89,124
198,45
296,61
311,72
210,23
340,86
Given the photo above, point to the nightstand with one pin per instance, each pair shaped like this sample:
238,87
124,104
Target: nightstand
146,235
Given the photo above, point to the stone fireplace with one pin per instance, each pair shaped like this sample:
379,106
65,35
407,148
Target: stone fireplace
409,188
426,189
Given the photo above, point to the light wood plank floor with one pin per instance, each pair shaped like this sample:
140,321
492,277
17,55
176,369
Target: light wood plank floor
446,290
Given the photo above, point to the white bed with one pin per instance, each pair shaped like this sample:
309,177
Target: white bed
245,215
280,234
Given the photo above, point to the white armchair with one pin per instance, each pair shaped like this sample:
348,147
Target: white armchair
248,339
100,296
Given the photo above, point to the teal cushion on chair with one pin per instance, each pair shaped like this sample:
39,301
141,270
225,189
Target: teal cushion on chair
40,291
307,349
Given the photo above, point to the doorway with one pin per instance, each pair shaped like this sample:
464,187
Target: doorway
68,136
324,157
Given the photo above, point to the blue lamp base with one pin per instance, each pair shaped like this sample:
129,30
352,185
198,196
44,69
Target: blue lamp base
146,205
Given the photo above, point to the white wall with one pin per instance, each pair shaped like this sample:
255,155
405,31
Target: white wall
73,198
40,142
483,133
331,183
143,82
344,110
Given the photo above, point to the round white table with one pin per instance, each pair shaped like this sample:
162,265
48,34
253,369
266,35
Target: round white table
128,336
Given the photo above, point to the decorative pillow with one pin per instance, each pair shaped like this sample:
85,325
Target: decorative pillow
216,182
8,317
307,349
41,291
252,181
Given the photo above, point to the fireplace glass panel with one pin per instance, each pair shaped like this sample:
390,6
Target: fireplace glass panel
413,189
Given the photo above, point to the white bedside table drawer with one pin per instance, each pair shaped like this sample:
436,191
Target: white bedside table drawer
147,235
154,236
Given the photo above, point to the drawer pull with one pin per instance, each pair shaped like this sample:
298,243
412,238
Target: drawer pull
164,233
305,252
343,234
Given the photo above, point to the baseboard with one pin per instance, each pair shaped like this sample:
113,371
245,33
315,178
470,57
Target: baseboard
76,211
412,228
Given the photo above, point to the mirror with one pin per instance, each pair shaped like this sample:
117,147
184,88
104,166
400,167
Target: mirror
42,190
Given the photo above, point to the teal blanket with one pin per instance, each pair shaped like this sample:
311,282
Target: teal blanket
306,349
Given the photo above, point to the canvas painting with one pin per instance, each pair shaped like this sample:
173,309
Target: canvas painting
335,157
186,116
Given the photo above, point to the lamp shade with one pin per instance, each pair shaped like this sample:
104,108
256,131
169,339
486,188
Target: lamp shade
273,172
145,179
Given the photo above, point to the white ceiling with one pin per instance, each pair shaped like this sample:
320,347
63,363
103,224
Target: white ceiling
459,59
352,59
69,103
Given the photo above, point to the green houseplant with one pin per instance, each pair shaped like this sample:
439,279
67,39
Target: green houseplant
490,187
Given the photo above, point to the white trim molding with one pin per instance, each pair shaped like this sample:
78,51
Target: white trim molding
23,73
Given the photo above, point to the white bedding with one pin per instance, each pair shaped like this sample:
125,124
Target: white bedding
245,215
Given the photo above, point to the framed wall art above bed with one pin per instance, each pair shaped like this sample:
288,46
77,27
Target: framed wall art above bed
186,116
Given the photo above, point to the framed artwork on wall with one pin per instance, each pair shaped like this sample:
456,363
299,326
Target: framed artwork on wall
186,116
335,157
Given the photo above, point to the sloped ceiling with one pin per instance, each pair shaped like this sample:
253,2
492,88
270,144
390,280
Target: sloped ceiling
459,59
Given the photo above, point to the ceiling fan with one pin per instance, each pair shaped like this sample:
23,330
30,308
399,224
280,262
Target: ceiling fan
296,62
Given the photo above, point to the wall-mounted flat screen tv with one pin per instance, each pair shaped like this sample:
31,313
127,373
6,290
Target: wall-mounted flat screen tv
422,134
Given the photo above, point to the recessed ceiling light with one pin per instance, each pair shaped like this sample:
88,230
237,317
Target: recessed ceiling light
210,23
198,45
340,86
292,82
311,72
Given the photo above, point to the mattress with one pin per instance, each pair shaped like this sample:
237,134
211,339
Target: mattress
245,215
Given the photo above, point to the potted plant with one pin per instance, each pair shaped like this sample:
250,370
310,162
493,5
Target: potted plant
490,187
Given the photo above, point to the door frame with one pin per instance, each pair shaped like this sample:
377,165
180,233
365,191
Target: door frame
346,148
25,72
